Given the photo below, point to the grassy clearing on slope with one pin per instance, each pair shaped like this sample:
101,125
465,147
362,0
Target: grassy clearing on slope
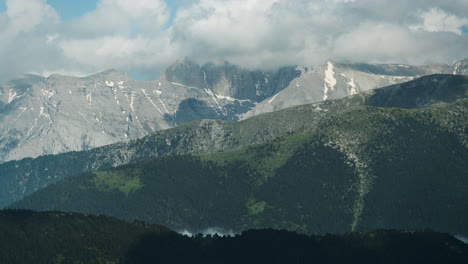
255,207
125,181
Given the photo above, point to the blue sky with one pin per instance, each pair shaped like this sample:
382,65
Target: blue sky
69,9
72,9
66,8
465,29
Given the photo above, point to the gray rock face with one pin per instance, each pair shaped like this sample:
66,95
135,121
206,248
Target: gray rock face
62,113
230,80
335,80
461,67
57,114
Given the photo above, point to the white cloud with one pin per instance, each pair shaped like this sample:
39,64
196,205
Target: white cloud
256,33
118,52
138,36
226,24
22,36
437,20
388,43
272,33
124,34
25,15
121,17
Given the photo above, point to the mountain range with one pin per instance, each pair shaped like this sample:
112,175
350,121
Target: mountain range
57,114
20,178
389,158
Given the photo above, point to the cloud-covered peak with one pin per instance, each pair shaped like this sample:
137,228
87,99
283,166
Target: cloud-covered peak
142,37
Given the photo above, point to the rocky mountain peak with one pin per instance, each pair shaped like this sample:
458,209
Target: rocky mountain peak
461,67
230,80
186,72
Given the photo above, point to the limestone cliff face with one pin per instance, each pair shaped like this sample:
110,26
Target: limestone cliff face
229,80
40,116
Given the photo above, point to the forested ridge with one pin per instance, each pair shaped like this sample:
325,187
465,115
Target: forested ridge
57,237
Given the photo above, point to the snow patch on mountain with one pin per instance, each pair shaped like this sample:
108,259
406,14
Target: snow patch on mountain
352,85
329,81
12,96
272,99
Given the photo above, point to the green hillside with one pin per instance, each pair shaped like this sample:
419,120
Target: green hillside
362,169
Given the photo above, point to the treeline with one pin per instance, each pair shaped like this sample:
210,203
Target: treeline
57,237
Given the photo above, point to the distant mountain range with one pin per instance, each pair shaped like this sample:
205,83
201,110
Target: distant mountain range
393,157
57,237
57,114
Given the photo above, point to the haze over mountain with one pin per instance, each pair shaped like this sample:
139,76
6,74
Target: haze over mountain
63,113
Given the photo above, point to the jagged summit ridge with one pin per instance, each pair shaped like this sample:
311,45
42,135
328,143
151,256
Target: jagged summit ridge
227,79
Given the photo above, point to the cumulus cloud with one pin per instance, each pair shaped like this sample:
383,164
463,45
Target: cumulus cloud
272,33
23,41
436,20
142,37
124,34
388,43
25,15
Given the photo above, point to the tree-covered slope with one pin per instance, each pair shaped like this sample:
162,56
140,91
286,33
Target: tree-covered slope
362,169
56,237
20,178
